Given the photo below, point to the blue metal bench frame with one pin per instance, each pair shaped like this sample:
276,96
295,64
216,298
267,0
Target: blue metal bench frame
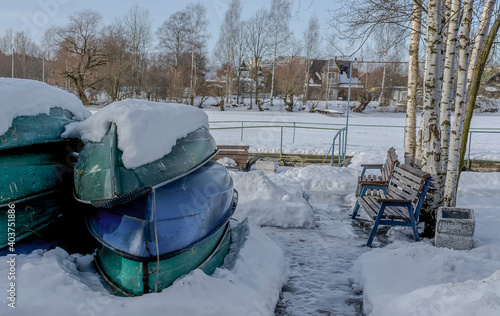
385,169
407,189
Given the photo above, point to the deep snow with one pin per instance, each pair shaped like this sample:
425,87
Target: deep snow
23,97
326,269
148,130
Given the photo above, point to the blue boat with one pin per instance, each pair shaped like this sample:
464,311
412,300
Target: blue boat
186,211
152,240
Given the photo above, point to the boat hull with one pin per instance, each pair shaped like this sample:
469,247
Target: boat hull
186,211
130,278
35,168
100,174
30,216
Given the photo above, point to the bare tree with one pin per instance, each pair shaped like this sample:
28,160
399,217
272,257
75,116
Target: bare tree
311,44
413,76
197,28
81,52
225,47
173,37
453,11
137,30
289,82
452,167
281,13
119,61
258,40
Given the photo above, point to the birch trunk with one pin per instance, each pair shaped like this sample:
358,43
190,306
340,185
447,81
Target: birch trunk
413,75
448,80
306,82
431,138
451,183
476,82
382,99
277,23
482,30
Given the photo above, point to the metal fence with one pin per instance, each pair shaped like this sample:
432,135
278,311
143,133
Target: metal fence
289,131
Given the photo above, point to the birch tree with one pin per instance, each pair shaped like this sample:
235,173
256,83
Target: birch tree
448,79
482,31
413,76
475,83
456,134
431,153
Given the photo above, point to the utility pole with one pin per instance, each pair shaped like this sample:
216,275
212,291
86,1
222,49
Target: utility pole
13,58
43,67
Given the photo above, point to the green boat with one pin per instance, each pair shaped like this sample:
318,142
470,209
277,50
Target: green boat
101,179
35,164
131,278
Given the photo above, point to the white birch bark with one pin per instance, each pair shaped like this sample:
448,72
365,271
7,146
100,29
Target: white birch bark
482,31
413,76
277,23
448,79
451,182
430,142
384,72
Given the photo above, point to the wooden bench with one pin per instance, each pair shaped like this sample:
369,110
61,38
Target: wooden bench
399,202
238,153
386,170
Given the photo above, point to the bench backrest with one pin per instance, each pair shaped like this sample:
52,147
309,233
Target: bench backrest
409,183
236,152
390,162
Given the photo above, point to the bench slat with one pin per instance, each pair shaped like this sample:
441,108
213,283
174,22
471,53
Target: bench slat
407,187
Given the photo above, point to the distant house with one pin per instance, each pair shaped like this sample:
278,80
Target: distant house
329,79
491,88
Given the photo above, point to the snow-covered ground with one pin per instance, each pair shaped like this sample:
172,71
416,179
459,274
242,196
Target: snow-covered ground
309,248
370,132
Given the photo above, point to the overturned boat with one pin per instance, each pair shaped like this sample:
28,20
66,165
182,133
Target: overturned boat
165,233
35,161
122,159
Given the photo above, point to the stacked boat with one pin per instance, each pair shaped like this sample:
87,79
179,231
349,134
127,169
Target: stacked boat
160,207
35,161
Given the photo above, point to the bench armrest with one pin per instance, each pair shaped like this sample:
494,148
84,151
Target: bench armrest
370,166
394,201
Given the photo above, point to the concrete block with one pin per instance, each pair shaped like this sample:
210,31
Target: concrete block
456,242
267,165
455,228
457,221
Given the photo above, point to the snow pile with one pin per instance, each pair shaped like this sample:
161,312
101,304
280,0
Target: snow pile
420,279
227,162
319,178
268,204
23,97
248,283
147,130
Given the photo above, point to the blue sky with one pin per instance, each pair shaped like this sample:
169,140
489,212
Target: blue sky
38,15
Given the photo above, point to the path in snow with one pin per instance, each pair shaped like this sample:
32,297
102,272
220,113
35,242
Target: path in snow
319,278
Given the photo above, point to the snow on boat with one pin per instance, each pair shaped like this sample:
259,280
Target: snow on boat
35,161
149,242
135,144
